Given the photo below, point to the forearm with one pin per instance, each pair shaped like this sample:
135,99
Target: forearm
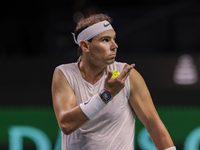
72,119
160,136
79,115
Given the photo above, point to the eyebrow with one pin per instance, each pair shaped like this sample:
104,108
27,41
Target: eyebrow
104,37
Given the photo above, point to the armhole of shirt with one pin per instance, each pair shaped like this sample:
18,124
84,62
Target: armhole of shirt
127,82
128,87
67,76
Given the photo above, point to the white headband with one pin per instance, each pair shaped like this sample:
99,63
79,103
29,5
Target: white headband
92,31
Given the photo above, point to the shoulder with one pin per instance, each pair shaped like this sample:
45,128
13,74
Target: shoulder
134,73
66,66
136,80
68,69
61,80
139,92
67,72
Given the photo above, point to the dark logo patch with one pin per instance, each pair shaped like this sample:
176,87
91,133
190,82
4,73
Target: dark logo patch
105,25
85,103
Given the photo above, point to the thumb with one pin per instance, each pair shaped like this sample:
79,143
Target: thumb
109,75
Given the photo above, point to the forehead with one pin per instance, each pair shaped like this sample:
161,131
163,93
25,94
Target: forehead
109,33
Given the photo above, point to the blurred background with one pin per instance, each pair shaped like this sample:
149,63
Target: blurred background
161,37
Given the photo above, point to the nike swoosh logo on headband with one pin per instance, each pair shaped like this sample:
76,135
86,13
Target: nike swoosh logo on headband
105,25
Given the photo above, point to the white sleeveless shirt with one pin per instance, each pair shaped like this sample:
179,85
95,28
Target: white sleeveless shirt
113,128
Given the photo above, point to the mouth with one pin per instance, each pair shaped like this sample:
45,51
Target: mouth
113,55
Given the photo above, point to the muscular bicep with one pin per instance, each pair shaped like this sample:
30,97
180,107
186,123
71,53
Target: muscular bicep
141,101
63,96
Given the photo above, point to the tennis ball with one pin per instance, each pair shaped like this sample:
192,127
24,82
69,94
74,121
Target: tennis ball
115,73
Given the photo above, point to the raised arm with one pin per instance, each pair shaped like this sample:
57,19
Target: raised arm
144,108
68,116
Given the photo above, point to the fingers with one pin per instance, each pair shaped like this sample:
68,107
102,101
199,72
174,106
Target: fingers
109,75
123,75
126,71
114,85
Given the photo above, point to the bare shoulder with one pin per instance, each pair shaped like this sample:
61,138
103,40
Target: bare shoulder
136,80
59,82
135,73
58,76
61,90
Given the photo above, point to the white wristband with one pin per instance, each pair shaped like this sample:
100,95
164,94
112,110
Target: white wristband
93,106
171,148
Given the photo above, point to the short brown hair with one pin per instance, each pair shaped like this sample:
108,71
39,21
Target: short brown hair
88,21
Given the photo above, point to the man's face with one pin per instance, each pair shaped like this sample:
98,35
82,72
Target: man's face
103,48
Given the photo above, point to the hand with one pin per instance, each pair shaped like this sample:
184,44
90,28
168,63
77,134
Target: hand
115,85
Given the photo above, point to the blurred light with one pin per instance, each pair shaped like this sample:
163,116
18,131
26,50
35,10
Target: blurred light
144,140
193,140
77,16
17,133
185,71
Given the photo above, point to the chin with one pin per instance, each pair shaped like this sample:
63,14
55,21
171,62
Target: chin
111,61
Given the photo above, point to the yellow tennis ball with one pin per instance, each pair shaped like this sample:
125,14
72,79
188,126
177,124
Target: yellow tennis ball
115,73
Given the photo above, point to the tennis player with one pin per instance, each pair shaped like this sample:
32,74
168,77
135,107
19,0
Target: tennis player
95,108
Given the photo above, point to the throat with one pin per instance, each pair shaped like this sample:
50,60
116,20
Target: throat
92,76
92,81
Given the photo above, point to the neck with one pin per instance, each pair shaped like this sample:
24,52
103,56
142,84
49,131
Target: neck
90,72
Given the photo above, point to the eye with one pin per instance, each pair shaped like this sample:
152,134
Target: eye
106,40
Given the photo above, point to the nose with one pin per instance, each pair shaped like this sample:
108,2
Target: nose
114,45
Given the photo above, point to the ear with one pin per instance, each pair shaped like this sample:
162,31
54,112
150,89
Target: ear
84,46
